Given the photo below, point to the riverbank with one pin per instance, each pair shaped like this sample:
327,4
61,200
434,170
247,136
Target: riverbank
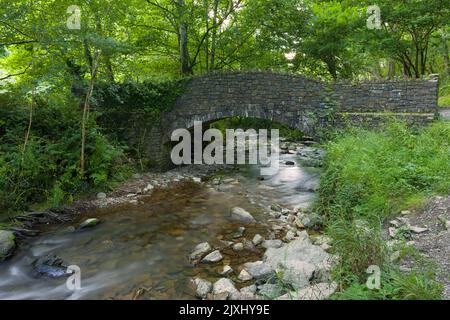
370,178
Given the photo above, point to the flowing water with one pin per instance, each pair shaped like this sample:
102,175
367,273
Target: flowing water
143,248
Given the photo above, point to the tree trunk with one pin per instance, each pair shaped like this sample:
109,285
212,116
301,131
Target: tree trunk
391,72
30,121
445,55
183,40
207,38
109,69
85,117
214,35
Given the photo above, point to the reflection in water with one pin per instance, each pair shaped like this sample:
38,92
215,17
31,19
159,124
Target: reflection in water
145,246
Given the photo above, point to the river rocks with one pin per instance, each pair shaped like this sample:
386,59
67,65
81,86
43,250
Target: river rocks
319,291
395,223
249,289
101,195
271,290
226,270
203,287
238,234
240,214
259,270
276,207
418,230
197,179
248,245
224,286
401,228
257,239
244,276
199,251
89,223
246,293
50,266
302,235
311,153
213,257
218,296
148,188
225,244
322,239
309,221
298,261
136,176
290,163
290,235
238,246
272,243
7,244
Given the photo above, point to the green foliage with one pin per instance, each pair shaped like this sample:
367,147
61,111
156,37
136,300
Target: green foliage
126,111
359,245
375,174
395,285
47,171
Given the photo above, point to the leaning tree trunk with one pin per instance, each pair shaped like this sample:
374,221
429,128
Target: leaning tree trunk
86,109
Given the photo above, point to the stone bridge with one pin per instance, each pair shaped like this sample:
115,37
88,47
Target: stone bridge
297,102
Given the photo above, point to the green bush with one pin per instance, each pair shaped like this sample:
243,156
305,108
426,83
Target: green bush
127,111
375,174
47,171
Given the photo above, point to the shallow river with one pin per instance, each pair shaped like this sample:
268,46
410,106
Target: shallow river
140,251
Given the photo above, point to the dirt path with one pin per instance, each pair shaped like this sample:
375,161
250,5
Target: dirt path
435,243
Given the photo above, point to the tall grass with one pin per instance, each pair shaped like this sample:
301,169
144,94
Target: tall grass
368,177
374,174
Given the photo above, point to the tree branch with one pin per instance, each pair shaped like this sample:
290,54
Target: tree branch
17,42
16,74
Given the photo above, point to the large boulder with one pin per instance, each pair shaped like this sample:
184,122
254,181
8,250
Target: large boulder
240,214
259,270
224,286
319,291
298,262
272,244
7,244
271,290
